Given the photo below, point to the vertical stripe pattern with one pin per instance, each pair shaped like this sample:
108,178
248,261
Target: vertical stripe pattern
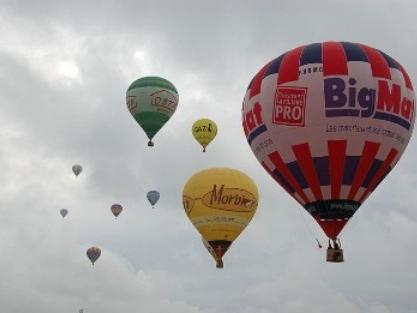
330,182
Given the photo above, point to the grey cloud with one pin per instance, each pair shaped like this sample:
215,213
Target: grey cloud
153,260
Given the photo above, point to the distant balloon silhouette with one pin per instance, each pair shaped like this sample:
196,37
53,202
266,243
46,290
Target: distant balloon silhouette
77,169
63,212
93,254
116,209
328,121
153,197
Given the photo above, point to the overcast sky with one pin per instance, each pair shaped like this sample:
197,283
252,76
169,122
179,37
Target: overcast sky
64,71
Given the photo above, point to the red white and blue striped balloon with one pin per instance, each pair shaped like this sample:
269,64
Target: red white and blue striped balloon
329,121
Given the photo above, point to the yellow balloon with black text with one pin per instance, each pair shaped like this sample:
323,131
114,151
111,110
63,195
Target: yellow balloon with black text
220,202
204,131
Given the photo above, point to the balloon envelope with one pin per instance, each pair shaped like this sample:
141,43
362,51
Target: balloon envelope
93,254
151,101
328,121
153,197
116,209
77,169
63,212
204,131
220,202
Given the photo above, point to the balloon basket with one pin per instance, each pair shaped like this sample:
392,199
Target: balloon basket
219,264
334,255
150,144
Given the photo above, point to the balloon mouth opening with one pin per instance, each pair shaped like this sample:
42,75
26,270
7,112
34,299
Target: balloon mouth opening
220,247
219,263
150,143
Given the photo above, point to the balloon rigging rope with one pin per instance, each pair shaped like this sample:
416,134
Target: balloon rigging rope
306,226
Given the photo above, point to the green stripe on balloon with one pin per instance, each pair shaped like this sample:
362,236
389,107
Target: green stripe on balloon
152,81
151,122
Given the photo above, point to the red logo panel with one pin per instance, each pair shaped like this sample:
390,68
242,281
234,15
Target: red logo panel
289,106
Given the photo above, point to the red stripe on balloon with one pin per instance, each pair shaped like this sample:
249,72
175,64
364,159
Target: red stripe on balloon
305,161
289,68
380,173
407,79
337,155
368,155
332,228
285,172
257,81
379,65
277,179
283,184
334,59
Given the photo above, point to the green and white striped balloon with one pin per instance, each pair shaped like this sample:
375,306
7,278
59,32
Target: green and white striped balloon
152,101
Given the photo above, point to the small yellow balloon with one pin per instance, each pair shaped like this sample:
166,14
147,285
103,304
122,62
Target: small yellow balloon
204,131
220,202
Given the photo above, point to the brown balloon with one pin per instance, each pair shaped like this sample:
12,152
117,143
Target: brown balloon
116,209
93,254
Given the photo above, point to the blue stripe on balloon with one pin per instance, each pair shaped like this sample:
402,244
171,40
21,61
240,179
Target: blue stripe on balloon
392,118
342,112
274,66
376,164
281,179
321,165
391,62
354,52
298,174
311,54
322,169
351,163
261,129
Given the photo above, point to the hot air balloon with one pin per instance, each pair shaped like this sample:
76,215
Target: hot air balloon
204,131
116,209
220,202
328,121
151,101
93,254
63,212
77,169
153,197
